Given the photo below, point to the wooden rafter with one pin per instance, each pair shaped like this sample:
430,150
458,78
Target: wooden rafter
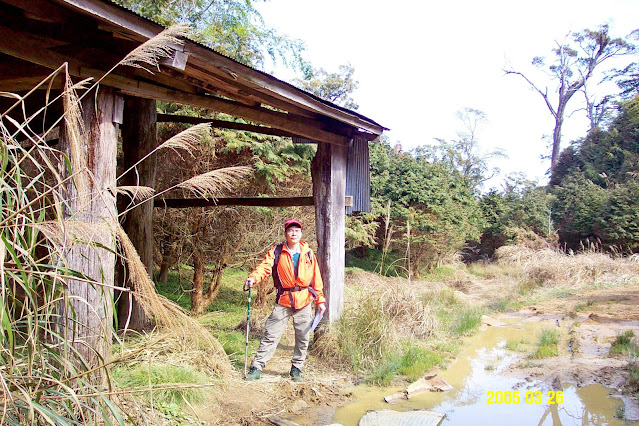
180,203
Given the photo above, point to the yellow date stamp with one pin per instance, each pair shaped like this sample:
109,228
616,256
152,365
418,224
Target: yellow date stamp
529,397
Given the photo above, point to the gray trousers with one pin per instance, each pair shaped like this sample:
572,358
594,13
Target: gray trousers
273,330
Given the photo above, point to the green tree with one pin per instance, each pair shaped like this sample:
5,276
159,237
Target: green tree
234,28
336,87
574,63
439,207
595,184
520,207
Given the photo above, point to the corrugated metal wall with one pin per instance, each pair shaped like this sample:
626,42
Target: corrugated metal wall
358,178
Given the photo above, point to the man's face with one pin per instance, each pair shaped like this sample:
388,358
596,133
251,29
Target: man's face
293,234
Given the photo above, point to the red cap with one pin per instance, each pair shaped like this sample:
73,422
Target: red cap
292,222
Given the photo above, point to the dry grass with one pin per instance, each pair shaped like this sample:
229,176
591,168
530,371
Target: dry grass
187,139
214,183
137,193
379,316
156,48
168,314
555,269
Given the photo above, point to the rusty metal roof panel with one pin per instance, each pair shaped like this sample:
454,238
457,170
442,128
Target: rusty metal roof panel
149,28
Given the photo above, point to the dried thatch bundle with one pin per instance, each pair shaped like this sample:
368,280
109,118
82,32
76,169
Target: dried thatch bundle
167,314
156,48
135,192
212,184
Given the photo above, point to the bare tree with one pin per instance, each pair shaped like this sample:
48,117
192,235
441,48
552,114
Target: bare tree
574,63
464,154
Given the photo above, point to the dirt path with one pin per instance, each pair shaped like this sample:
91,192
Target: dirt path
590,321
312,402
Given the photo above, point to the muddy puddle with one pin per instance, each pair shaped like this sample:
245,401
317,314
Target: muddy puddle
490,389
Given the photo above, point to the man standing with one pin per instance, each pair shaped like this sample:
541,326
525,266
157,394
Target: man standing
298,282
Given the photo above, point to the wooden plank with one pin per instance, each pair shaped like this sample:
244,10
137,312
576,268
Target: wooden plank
19,84
227,83
42,10
177,60
139,137
264,82
209,59
25,47
329,184
405,418
222,124
115,16
180,203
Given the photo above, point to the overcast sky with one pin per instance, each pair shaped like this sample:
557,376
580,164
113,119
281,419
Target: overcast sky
418,63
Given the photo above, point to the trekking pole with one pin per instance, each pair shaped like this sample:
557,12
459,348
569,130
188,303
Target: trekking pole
248,315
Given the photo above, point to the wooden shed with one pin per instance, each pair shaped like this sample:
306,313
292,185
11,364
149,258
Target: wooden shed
92,36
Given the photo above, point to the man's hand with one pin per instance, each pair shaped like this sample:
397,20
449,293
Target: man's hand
321,308
249,283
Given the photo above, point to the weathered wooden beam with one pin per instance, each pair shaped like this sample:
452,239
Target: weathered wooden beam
114,15
329,186
89,320
26,47
210,61
298,125
222,124
181,203
139,137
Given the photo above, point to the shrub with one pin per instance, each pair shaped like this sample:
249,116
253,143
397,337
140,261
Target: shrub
624,345
547,346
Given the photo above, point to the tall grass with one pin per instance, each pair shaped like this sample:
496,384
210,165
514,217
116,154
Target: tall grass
46,375
391,328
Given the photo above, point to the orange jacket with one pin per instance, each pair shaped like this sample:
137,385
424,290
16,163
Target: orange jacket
308,272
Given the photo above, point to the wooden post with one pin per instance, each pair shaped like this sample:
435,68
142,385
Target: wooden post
91,214
329,186
139,137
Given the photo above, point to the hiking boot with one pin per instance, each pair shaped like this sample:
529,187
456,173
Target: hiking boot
253,374
296,374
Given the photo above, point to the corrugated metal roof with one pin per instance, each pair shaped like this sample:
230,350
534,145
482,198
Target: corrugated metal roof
210,48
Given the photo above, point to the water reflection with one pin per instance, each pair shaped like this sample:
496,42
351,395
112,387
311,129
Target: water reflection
483,367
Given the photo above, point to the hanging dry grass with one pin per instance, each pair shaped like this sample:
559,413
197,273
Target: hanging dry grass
167,314
74,134
187,139
213,184
64,233
156,48
135,192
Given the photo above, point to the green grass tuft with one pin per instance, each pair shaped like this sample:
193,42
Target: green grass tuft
412,362
466,320
547,346
165,378
624,345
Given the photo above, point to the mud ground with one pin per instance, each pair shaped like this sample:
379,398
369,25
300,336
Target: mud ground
591,320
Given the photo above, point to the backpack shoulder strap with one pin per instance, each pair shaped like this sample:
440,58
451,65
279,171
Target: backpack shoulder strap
277,253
